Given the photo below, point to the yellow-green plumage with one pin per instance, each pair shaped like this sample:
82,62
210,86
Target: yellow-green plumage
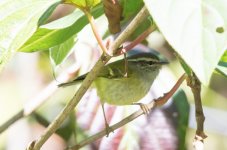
116,89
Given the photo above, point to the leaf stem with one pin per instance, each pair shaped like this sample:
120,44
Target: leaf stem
95,32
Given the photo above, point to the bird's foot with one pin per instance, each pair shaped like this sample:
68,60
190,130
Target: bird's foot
144,108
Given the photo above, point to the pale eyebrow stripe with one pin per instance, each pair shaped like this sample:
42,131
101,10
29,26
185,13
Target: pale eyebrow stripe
143,59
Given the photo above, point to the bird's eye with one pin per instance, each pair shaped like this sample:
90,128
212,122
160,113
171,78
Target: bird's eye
150,63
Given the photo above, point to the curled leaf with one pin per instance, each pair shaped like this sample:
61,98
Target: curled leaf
113,12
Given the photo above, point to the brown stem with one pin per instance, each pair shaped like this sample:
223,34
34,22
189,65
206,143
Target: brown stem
140,38
195,85
158,102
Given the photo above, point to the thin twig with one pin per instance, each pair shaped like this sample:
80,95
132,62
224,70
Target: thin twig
138,40
96,33
12,120
90,77
158,102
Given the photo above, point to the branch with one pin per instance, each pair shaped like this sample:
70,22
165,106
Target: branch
88,80
39,99
195,85
12,120
158,102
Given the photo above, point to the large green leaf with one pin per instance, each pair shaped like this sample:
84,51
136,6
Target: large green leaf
59,31
195,29
18,21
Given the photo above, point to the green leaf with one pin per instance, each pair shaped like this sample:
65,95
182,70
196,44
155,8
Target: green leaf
83,3
224,57
186,68
131,7
47,13
18,21
59,31
222,63
60,52
190,27
183,108
221,70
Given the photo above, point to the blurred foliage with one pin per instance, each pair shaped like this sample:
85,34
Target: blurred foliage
130,8
183,109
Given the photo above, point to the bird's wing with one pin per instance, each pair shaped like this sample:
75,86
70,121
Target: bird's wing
114,70
75,81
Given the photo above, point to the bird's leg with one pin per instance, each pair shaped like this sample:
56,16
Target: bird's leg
108,129
126,63
144,107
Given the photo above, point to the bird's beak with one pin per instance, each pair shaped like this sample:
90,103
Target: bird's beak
163,62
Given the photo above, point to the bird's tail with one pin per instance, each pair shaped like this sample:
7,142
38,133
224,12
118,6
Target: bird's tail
76,81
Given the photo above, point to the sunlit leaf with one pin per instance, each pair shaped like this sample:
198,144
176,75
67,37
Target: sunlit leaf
18,21
190,27
224,57
83,3
57,32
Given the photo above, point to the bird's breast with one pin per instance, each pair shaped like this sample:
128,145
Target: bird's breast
122,91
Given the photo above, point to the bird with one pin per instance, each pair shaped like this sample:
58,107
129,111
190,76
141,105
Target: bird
125,81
